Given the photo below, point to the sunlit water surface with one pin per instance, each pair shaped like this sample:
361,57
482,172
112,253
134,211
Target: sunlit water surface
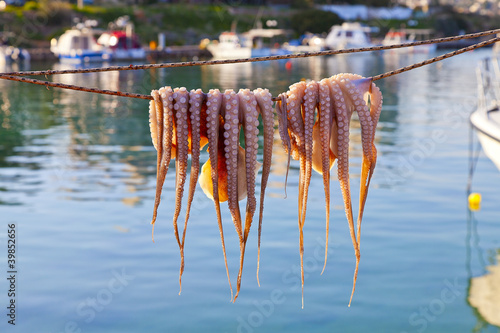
77,177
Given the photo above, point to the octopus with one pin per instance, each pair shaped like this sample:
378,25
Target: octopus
182,123
313,124
317,144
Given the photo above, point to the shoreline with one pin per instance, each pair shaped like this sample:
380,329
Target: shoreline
170,52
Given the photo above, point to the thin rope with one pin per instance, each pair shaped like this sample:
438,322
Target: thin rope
149,97
435,59
256,59
73,87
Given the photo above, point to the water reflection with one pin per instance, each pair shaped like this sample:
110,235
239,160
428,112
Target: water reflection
83,146
483,290
85,159
98,129
109,135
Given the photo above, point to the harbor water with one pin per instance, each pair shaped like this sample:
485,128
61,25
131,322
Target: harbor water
78,176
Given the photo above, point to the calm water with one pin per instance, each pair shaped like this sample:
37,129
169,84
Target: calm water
77,176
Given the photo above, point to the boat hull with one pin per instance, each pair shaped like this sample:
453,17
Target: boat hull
229,53
84,58
487,125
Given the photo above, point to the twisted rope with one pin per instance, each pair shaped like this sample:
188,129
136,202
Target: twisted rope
14,76
256,59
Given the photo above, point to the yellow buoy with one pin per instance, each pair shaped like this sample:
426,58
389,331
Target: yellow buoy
474,201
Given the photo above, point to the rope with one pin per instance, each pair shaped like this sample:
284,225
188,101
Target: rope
73,87
435,59
9,76
256,59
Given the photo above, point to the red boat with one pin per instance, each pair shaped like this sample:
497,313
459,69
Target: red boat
123,45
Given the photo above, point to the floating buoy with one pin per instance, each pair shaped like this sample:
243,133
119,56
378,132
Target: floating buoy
474,201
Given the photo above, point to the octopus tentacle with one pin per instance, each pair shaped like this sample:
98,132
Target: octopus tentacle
369,166
214,103
181,100
309,106
230,105
295,96
343,115
196,102
165,127
156,128
310,102
154,122
357,102
249,114
282,112
265,103
288,109
321,133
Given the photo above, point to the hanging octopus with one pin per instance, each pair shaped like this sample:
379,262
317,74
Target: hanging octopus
313,124
184,122
318,144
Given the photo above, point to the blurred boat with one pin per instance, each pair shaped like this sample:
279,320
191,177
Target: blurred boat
496,47
486,118
78,45
11,54
402,36
349,35
121,41
307,43
246,45
122,46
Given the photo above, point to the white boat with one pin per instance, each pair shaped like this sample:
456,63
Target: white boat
308,43
486,118
496,47
78,45
228,47
402,36
246,45
349,35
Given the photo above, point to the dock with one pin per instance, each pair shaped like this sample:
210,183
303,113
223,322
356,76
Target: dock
168,53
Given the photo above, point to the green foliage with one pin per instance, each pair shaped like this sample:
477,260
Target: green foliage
105,15
188,24
302,4
369,3
31,5
53,13
313,20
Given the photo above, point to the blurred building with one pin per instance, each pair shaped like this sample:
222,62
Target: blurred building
482,7
198,2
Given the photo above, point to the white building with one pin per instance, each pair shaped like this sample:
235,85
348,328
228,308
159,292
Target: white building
362,12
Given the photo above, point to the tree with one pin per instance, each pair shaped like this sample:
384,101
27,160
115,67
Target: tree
314,20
